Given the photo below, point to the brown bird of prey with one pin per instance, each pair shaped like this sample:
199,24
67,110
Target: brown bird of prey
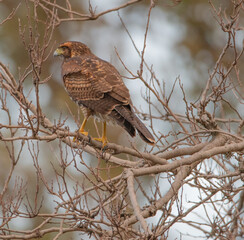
97,87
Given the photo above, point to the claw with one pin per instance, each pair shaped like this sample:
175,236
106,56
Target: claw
81,130
84,133
103,139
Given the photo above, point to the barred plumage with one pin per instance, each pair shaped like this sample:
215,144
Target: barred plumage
98,88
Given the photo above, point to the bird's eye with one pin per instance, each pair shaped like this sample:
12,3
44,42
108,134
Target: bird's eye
66,51
64,47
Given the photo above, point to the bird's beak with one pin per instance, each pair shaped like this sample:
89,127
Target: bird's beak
58,52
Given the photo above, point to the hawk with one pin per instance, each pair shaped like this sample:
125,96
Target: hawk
97,87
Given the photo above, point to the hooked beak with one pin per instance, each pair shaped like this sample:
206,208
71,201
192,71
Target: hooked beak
58,52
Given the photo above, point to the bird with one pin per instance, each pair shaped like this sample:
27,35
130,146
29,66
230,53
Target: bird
98,89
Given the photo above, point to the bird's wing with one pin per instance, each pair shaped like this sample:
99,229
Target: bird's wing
119,91
90,78
97,85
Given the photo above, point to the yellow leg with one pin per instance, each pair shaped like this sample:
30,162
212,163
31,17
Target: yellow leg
103,139
81,130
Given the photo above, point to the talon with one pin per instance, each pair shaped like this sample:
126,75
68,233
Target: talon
103,139
83,133
81,130
89,137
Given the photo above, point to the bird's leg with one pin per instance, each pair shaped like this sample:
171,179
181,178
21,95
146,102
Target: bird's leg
103,139
81,130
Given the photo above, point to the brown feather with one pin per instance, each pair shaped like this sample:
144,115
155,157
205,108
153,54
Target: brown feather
98,88
127,113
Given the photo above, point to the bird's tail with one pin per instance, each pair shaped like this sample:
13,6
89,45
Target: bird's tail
126,118
143,131
123,122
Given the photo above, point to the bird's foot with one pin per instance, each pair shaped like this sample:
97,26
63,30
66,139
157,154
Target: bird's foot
103,139
83,133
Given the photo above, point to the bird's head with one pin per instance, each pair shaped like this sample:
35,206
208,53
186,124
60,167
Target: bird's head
72,49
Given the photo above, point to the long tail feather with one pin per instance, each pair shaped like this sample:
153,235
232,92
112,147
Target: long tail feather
126,117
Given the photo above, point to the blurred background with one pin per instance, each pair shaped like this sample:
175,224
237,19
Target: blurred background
184,40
